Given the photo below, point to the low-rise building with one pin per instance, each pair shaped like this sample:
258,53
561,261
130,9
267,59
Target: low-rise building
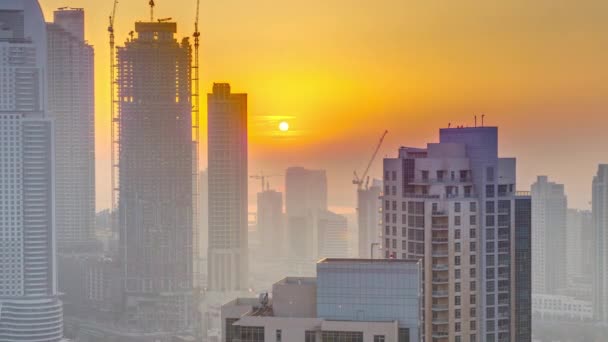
356,300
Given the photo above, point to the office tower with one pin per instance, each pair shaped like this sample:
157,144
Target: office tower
350,300
331,231
270,225
579,247
549,208
227,153
305,196
156,184
522,320
600,225
369,208
453,206
29,306
71,105
203,224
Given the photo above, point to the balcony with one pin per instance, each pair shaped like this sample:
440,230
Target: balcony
440,280
440,321
440,253
440,334
439,240
440,267
440,213
440,307
439,226
421,196
440,294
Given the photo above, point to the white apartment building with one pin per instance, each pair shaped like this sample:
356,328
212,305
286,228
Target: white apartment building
453,206
29,306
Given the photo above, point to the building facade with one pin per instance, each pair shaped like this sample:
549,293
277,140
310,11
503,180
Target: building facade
227,153
156,183
30,309
600,227
270,223
369,208
579,248
549,220
354,300
453,206
71,105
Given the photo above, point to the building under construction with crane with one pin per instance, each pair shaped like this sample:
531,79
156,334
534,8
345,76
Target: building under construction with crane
154,183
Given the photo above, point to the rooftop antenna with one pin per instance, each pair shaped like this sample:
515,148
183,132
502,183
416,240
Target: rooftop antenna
482,116
449,124
151,3
475,120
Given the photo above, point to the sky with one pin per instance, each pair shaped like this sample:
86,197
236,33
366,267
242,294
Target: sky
340,72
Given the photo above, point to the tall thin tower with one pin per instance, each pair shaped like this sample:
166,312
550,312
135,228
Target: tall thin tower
71,105
29,306
156,183
227,251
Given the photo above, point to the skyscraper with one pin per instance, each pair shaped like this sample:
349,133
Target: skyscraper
227,144
71,105
453,205
600,224
579,247
270,223
305,197
549,215
369,206
156,183
29,306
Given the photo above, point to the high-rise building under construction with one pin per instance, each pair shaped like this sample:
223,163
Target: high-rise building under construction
156,164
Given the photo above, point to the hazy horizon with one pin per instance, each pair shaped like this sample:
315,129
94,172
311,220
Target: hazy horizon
537,70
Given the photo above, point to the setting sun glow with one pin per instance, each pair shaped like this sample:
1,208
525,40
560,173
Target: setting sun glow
284,126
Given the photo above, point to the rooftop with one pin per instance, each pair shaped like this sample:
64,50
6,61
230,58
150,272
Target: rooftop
366,261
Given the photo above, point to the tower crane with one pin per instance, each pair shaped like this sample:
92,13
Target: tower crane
114,120
263,180
364,179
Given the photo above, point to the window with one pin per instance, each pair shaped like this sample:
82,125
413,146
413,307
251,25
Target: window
394,243
394,174
473,246
457,220
472,233
279,335
394,205
490,220
457,260
395,231
473,299
404,335
473,338
457,327
425,174
490,174
457,300
435,207
457,339
472,286
387,205
490,191
473,207
457,234
404,232
473,325
490,205
387,230
252,334
457,287
457,247
379,338
473,273
472,259
346,336
473,220
310,336
457,207
473,312
403,219
457,273
457,313
387,175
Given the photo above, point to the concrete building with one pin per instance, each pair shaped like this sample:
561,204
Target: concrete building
453,205
156,179
305,197
579,248
350,300
71,105
270,224
227,153
29,306
557,307
369,207
331,231
203,226
549,218
600,227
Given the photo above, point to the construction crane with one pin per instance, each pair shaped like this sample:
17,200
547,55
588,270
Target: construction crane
364,179
114,120
263,180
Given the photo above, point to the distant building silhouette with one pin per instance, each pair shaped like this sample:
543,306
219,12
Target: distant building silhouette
270,223
30,309
227,158
71,105
305,198
454,206
600,224
549,214
156,184
369,208
580,251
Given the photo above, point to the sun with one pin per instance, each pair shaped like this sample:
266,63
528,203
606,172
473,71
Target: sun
283,126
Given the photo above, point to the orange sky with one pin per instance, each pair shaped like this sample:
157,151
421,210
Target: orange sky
342,71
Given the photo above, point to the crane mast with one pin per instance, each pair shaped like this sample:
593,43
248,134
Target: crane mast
195,176
114,129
